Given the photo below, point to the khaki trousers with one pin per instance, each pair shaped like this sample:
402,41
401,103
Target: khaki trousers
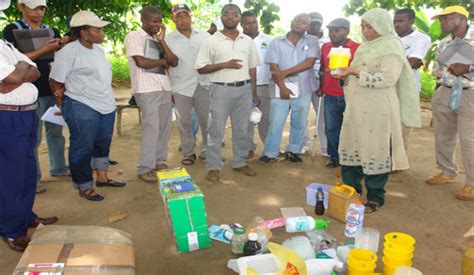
448,126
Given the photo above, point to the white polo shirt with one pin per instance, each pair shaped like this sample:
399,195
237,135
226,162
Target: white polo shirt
417,45
184,77
26,93
263,70
220,48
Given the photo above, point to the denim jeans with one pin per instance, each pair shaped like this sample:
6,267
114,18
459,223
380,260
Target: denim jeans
54,139
333,113
279,110
90,138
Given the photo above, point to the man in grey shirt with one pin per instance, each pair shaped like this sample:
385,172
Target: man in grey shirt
190,89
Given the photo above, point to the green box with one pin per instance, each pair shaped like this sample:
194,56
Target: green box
185,213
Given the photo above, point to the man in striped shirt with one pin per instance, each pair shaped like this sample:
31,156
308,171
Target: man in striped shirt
152,91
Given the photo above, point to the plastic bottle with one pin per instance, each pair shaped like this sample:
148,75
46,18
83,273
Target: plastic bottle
319,207
354,219
339,269
456,94
252,246
238,240
299,224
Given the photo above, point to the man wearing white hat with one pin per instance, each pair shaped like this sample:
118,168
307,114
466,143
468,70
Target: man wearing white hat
18,124
33,12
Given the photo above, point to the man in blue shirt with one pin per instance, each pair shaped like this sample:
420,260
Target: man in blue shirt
291,58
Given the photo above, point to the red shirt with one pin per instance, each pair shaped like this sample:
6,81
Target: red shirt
331,84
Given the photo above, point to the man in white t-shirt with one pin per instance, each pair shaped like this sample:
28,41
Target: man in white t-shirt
416,45
249,25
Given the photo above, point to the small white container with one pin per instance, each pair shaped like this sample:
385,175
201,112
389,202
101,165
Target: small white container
264,264
367,238
405,270
311,190
299,224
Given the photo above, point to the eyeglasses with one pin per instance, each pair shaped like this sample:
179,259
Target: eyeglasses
228,14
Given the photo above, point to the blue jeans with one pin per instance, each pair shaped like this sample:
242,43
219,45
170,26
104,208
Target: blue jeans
54,139
333,113
279,110
17,171
90,138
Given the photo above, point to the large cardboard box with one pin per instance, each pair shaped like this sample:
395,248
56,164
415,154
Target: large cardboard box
77,250
185,211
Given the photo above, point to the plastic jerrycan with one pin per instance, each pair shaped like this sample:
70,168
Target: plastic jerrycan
340,197
339,58
468,262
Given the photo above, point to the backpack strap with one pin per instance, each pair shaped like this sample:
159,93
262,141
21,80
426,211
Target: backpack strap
18,25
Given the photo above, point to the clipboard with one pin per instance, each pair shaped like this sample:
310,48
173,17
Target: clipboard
153,50
29,40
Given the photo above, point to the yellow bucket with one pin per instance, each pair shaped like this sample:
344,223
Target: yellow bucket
397,262
338,61
397,255
362,255
389,269
468,262
400,242
360,268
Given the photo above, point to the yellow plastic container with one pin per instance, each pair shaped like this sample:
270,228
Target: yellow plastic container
389,269
355,268
403,254
468,262
400,242
362,255
340,197
397,262
339,58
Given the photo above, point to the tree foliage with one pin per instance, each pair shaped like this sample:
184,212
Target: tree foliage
361,6
268,13
115,11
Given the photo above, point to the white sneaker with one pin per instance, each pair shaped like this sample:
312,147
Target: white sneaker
304,150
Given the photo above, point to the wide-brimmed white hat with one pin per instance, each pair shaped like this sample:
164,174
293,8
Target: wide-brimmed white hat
33,4
87,18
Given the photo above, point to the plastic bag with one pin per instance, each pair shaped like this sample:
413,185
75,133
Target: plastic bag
456,94
255,115
290,262
321,239
264,234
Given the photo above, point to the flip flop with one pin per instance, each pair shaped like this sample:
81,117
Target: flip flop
189,160
372,206
87,194
110,183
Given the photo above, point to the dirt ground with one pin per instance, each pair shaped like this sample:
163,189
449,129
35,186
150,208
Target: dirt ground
430,213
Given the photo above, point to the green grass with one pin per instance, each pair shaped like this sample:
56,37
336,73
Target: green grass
120,72
428,84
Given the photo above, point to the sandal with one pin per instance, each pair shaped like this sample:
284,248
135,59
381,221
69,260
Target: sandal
372,206
110,183
90,194
189,160
40,188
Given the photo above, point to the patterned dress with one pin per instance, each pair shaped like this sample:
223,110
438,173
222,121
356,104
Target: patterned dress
371,134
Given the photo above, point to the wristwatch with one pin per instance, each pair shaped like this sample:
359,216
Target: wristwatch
471,68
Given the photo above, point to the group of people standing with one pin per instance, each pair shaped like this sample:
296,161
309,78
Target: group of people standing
366,110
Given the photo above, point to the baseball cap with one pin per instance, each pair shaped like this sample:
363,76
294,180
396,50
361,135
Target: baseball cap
339,23
87,18
180,8
452,9
33,4
316,17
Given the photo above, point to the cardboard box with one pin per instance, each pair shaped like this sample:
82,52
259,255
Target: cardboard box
185,211
77,250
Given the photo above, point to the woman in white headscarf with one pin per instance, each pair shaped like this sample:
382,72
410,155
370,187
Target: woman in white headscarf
380,94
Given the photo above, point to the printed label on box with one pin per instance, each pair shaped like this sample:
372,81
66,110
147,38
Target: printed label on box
193,241
54,269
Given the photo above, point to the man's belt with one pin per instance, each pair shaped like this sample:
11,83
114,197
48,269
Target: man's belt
30,107
234,84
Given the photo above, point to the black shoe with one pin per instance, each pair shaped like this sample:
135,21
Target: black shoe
333,163
264,159
293,157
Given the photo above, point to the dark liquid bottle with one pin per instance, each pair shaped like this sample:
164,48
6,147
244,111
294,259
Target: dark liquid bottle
319,207
252,246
